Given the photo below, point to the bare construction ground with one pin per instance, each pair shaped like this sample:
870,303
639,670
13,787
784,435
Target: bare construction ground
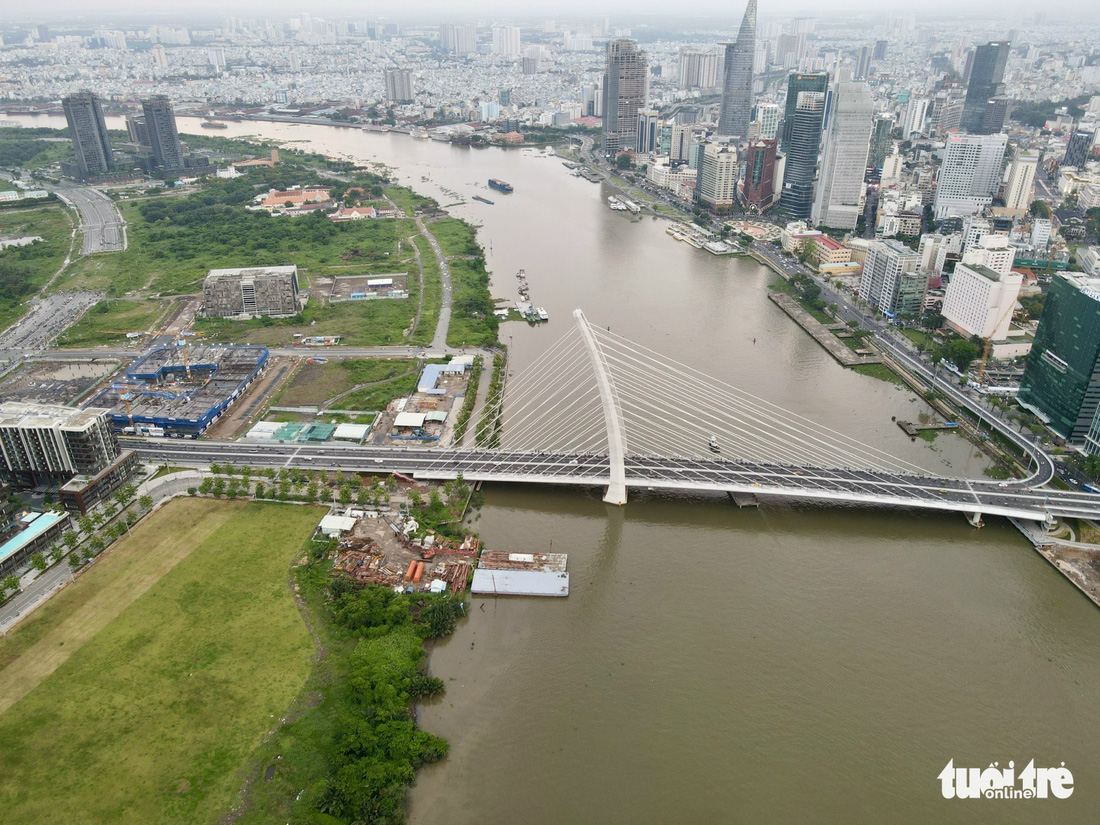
55,382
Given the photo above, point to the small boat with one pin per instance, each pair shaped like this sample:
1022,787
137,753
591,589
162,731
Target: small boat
521,274
483,200
714,448
212,124
543,314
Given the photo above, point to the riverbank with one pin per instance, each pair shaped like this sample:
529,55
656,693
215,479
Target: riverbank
822,333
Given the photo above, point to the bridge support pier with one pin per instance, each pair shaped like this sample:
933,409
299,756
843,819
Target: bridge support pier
975,519
612,414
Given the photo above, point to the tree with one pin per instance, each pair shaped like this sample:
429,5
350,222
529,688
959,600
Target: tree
38,561
145,502
9,582
623,161
1039,209
96,544
85,523
961,354
74,560
70,538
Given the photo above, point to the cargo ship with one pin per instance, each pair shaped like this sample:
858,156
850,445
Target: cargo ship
483,200
213,124
499,185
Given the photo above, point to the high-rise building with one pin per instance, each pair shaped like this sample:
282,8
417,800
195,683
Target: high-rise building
882,133
758,191
648,131
136,130
789,49
506,41
991,251
993,119
863,64
736,110
716,185
839,193
160,56
458,39
916,112
986,75
399,86
970,174
683,134
47,444
1021,182
84,115
1079,148
1061,383
880,49
625,91
797,194
1040,236
797,83
698,70
767,115
160,122
979,301
891,281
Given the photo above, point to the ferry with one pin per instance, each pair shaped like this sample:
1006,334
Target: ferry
483,200
213,124
542,313
499,185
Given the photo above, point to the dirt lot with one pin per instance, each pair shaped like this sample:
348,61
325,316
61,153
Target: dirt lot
1080,566
56,382
247,408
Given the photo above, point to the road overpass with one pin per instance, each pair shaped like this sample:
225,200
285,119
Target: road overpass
685,474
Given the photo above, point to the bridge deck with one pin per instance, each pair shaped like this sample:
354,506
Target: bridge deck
843,486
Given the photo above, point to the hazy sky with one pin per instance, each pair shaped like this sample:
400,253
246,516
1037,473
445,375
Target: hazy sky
624,9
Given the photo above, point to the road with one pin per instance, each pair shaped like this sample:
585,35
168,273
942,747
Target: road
439,342
898,347
1017,499
100,221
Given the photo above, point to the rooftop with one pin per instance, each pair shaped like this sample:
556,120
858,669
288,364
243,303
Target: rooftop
251,272
32,531
27,414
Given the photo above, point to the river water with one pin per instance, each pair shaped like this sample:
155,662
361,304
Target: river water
714,664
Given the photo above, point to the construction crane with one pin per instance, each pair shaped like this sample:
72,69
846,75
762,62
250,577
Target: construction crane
186,361
987,349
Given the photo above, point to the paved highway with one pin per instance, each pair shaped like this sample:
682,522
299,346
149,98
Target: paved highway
100,221
1015,499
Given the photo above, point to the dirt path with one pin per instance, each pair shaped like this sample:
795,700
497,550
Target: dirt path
118,579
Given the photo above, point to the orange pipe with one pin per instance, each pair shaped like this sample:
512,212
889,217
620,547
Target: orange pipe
419,572
411,570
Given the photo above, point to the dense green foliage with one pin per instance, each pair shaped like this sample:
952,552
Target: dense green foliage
25,269
1033,305
468,401
488,427
1037,112
352,754
472,321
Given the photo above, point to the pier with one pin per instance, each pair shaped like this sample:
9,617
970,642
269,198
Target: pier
822,333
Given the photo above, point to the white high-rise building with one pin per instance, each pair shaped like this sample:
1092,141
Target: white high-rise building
506,41
160,56
698,69
768,116
839,194
890,281
934,249
717,185
399,86
1021,182
970,174
991,251
1040,232
979,301
916,112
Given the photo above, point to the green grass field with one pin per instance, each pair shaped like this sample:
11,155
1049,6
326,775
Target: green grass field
149,682
109,321
315,383
25,270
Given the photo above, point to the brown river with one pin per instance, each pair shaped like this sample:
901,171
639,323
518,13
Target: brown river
774,665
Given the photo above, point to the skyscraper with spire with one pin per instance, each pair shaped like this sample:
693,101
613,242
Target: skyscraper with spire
736,112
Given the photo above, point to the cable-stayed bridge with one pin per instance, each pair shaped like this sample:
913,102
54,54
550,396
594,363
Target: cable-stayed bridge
597,409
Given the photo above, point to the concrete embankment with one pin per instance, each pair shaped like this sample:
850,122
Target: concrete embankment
821,332
1077,561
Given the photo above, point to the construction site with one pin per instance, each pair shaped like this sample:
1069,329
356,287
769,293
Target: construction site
180,391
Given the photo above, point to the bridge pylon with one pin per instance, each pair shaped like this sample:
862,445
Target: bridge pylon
612,414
